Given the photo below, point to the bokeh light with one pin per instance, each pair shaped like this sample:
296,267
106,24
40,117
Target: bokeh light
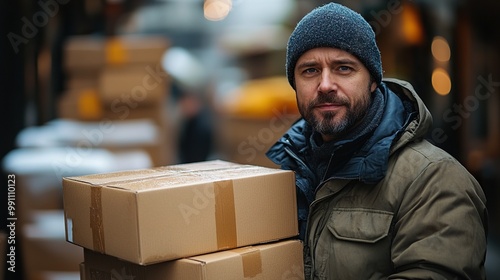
440,49
441,81
216,10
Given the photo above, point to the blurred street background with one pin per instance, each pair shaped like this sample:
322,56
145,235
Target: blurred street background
94,86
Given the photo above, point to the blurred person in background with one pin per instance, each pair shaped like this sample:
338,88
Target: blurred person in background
189,80
196,132
375,199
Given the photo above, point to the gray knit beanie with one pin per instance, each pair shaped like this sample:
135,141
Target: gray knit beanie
334,25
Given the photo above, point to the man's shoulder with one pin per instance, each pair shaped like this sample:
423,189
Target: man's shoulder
395,82
416,157
427,150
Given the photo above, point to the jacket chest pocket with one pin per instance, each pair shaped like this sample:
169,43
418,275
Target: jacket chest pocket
359,225
354,244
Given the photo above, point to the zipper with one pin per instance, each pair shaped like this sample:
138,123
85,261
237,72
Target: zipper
328,167
313,247
291,153
322,223
324,175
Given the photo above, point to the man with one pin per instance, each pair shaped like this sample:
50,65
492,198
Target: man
375,200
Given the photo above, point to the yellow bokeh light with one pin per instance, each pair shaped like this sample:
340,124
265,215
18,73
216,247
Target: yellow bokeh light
216,10
411,25
441,81
440,49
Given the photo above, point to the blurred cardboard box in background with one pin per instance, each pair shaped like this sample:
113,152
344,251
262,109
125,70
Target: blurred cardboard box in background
87,53
120,79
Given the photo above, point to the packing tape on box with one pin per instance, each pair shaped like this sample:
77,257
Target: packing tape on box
251,261
115,52
96,223
225,216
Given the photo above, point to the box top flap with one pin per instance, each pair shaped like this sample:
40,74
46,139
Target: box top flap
128,175
175,175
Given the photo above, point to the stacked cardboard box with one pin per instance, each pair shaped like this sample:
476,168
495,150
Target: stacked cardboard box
119,79
176,222
275,260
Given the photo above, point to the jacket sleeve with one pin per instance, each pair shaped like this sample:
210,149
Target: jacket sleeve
441,226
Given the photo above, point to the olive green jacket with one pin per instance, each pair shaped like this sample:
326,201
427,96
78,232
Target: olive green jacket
426,219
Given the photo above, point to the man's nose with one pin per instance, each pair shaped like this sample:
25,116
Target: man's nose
328,82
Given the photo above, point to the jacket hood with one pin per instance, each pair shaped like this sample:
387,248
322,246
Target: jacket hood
405,119
421,124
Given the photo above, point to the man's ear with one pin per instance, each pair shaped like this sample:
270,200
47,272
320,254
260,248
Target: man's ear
373,86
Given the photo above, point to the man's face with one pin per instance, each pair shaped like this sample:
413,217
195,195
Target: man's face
333,90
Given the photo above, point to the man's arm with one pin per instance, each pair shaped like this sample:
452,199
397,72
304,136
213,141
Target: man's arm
440,232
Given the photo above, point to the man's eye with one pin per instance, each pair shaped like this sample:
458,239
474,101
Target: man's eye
344,68
310,70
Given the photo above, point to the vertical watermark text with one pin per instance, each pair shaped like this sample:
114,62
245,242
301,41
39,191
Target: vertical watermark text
11,222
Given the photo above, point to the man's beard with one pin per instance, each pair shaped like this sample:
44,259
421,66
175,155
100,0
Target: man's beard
326,125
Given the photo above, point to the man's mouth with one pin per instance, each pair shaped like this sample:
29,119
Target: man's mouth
329,106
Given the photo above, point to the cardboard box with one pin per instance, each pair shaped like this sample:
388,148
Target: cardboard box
280,260
156,215
81,104
87,105
83,82
85,54
135,86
